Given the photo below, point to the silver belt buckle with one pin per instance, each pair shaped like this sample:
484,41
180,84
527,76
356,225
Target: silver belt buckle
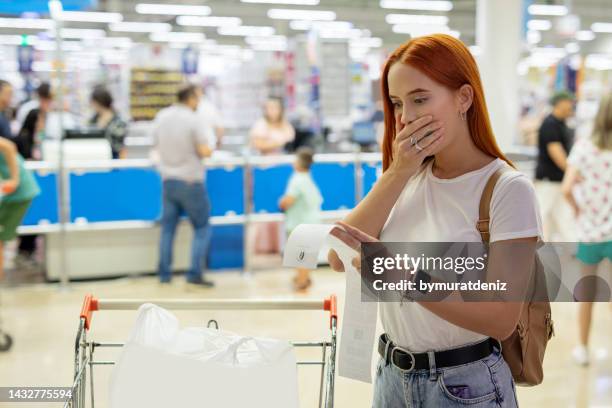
412,359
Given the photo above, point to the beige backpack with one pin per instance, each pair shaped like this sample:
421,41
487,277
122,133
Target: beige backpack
524,349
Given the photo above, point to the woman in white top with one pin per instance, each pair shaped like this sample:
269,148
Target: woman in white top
272,132
587,185
268,136
438,153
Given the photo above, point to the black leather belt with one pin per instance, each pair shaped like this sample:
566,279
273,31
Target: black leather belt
406,360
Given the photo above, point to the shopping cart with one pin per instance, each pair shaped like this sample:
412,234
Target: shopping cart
84,349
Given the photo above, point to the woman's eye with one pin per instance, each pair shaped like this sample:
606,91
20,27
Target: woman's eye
420,101
397,105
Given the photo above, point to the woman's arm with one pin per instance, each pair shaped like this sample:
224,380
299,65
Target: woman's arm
496,319
9,151
570,179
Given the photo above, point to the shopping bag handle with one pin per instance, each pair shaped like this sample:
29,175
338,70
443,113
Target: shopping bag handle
233,347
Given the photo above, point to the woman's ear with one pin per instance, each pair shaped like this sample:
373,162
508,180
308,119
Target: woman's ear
465,97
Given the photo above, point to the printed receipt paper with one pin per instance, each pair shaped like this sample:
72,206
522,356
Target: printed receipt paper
359,318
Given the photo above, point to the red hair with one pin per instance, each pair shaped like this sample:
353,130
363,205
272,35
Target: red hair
447,61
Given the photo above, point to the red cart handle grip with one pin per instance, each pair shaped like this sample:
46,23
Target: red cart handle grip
331,304
90,305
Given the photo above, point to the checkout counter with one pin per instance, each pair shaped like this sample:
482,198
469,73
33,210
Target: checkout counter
111,208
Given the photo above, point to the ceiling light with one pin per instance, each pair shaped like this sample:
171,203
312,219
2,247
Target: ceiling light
422,19
172,9
174,36
585,35
540,25
601,27
198,21
534,37
90,16
27,23
547,10
256,31
293,14
305,25
139,27
417,5
80,33
416,30
293,2
372,42
572,48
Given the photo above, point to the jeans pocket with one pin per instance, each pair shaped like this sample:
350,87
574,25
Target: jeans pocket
468,384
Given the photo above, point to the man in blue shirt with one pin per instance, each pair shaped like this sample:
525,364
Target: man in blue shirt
6,95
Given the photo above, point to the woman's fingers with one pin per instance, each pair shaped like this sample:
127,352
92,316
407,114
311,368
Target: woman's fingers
412,127
357,233
347,238
334,261
356,262
430,149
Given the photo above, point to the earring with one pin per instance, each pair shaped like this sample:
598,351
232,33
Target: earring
463,116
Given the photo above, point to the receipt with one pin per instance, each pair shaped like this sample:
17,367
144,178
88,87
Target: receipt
359,318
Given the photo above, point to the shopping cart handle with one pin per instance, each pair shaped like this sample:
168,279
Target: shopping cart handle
90,305
331,304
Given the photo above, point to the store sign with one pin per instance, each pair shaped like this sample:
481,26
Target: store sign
190,61
25,56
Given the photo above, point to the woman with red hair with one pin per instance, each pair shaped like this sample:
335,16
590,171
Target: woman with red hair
438,153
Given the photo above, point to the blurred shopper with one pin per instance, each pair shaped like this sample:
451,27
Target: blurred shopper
106,118
554,144
181,144
301,204
43,93
29,141
6,96
439,152
211,117
18,189
588,188
269,135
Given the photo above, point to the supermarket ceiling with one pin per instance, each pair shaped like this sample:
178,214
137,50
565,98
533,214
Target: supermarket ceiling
264,24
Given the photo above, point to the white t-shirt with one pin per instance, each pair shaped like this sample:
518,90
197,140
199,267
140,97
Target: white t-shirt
594,192
446,210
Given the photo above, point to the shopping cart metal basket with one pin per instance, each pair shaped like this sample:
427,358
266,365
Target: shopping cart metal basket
84,360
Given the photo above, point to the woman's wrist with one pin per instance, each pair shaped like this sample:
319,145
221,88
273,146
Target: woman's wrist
399,174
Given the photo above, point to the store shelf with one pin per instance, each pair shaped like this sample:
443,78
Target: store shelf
152,90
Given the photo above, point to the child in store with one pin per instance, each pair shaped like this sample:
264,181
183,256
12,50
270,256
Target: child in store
18,188
301,204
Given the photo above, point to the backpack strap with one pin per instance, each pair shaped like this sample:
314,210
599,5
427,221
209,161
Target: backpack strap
483,223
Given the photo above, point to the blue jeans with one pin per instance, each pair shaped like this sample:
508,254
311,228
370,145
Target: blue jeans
482,383
190,198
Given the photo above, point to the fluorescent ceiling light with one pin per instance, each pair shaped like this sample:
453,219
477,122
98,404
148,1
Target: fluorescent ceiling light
293,14
534,37
270,39
540,25
81,33
417,5
547,10
293,2
13,39
90,16
27,23
256,31
601,27
172,9
372,42
305,25
197,21
118,42
572,47
585,35
174,36
414,29
422,19
352,34
599,62
139,27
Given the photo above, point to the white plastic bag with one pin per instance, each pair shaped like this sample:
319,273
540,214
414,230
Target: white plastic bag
164,366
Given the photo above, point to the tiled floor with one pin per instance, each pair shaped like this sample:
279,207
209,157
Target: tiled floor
43,320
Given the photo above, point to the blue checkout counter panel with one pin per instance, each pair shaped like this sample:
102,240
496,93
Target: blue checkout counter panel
134,194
